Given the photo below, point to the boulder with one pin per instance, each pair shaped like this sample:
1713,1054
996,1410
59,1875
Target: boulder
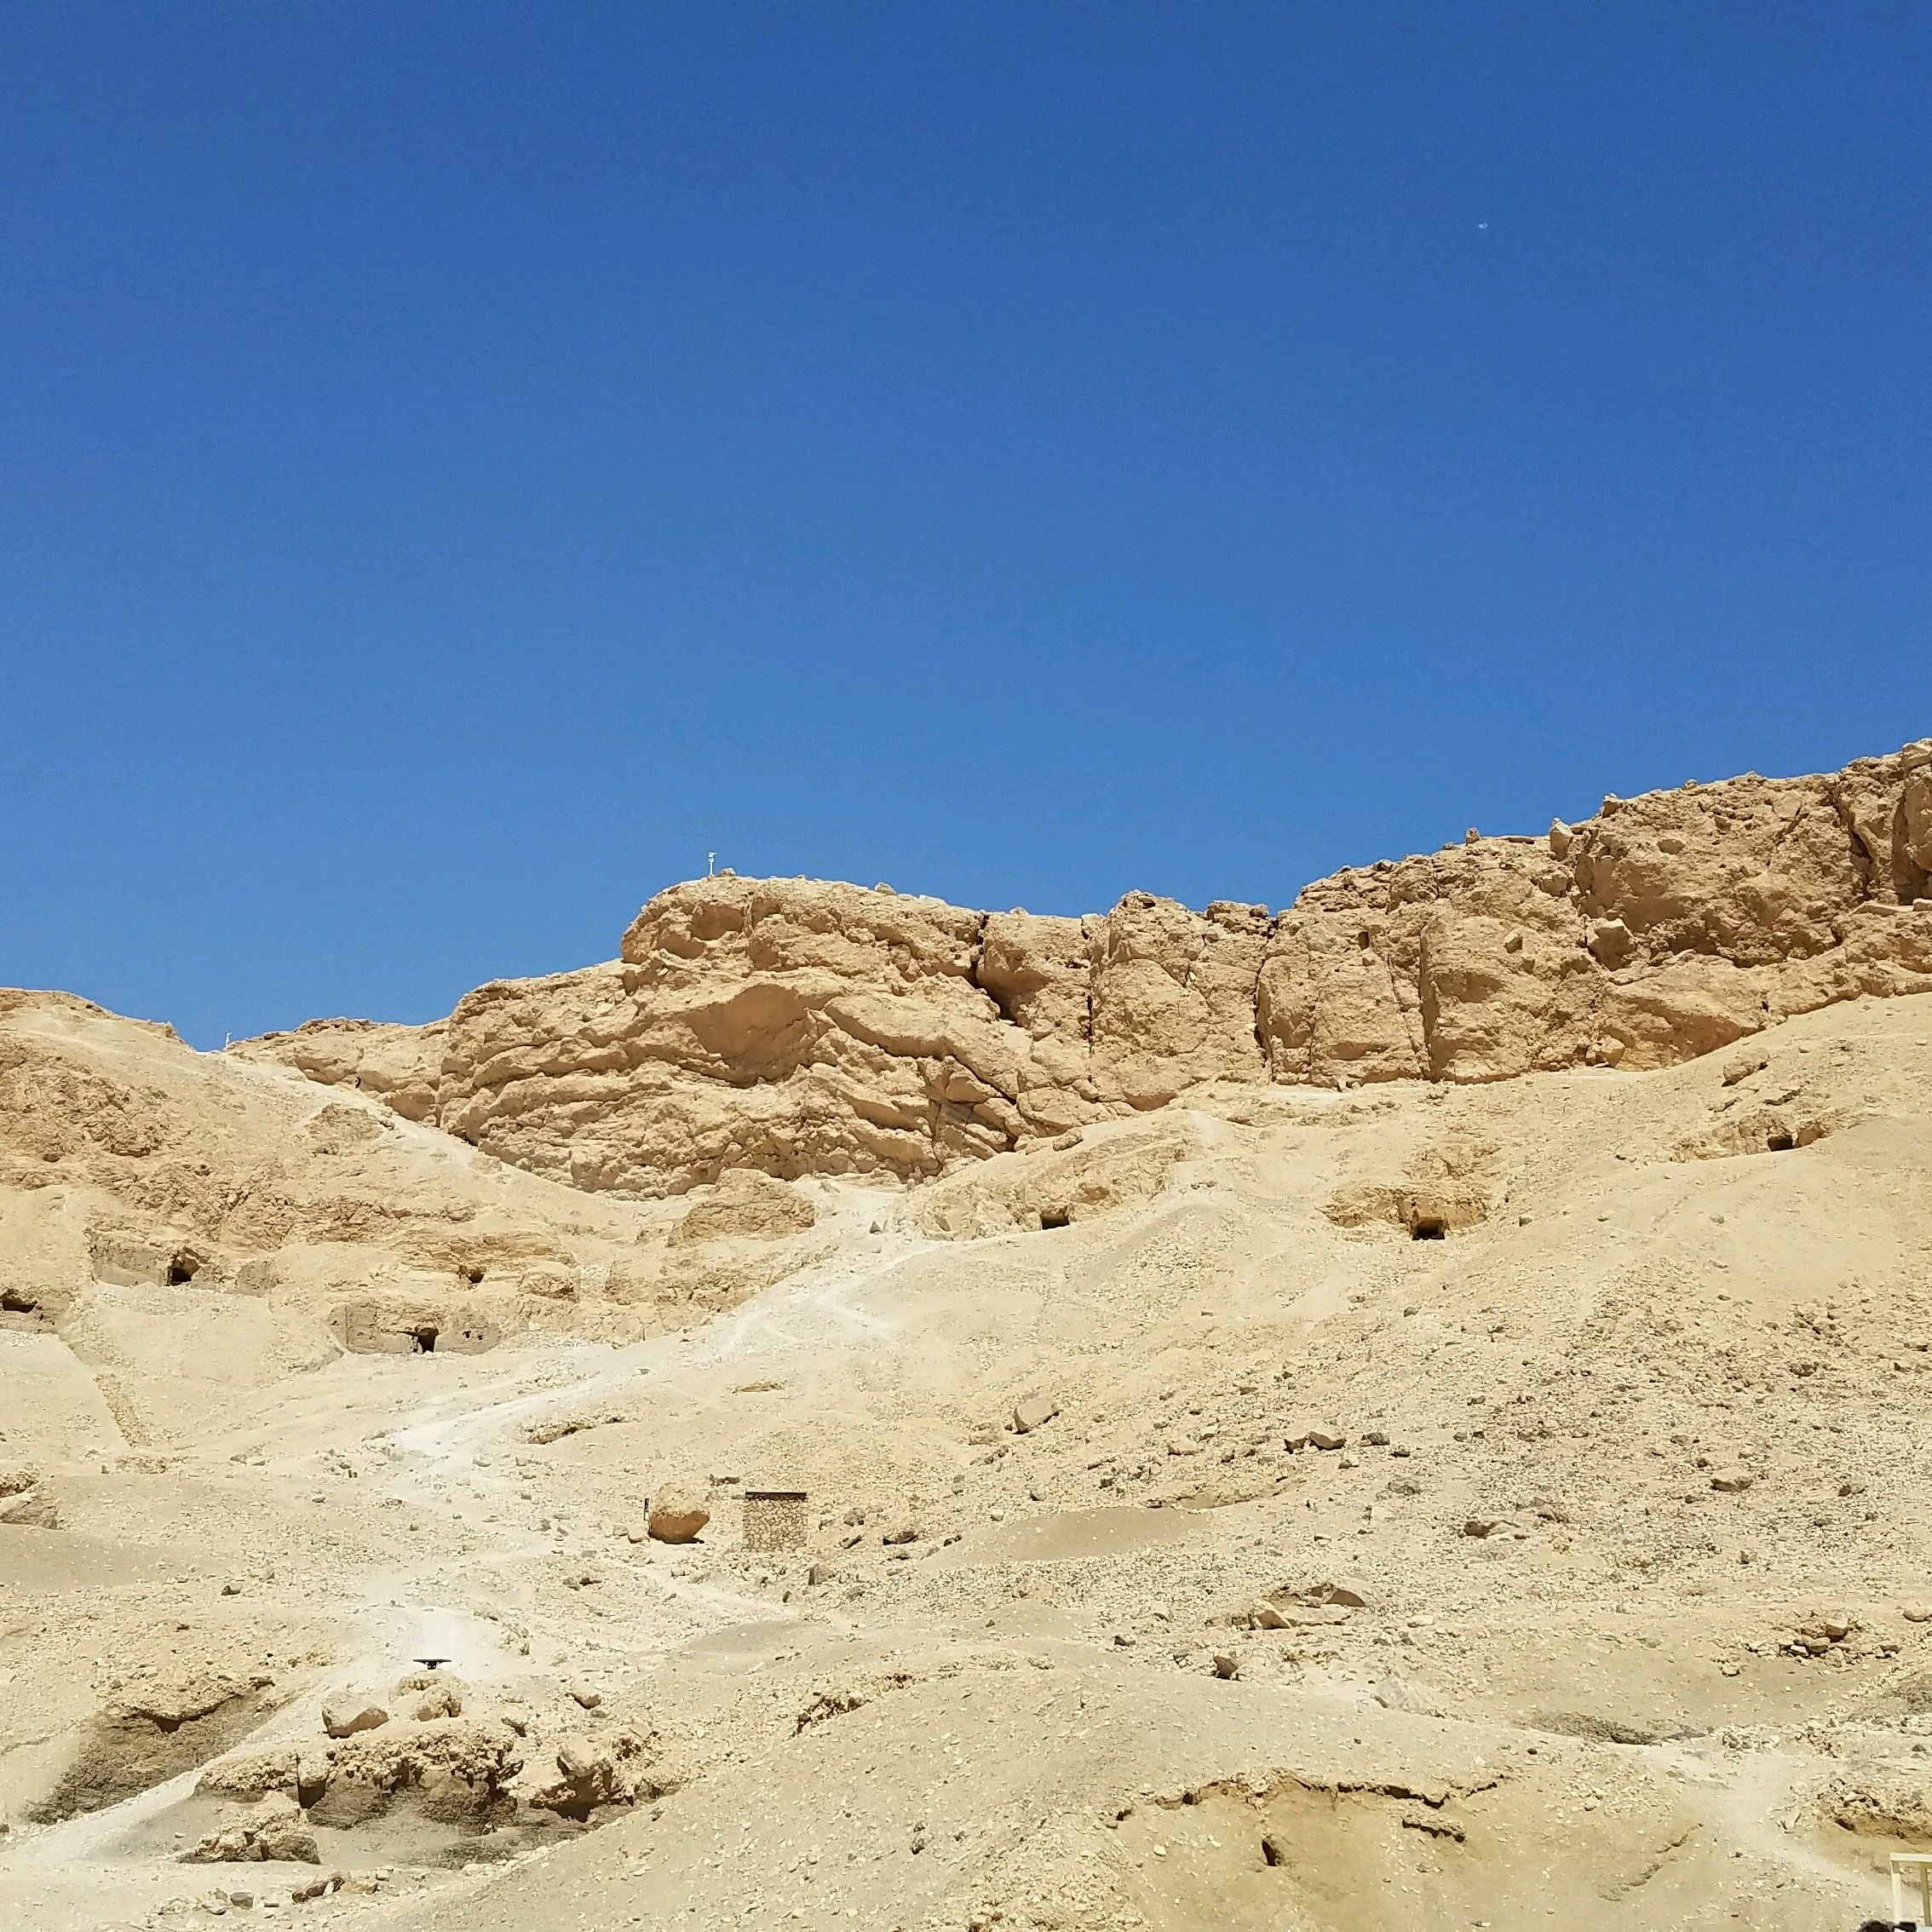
678,1515
345,1719
745,1205
31,1509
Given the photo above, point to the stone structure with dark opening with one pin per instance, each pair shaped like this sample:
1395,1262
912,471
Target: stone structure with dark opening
379,1326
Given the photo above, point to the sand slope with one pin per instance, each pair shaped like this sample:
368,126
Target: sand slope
1627,1371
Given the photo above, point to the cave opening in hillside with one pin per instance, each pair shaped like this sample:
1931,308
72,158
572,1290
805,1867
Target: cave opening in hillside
1054,1217
182,1269
423,1336
1428,1228
1779,1142
474,1276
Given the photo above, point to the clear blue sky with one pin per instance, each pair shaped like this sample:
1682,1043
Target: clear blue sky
460,464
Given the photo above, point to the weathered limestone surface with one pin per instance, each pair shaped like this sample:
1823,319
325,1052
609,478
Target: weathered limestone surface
802,1027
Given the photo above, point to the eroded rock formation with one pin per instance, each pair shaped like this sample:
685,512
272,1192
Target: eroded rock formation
802,1027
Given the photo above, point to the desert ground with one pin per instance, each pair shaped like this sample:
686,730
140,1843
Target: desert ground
1298,1504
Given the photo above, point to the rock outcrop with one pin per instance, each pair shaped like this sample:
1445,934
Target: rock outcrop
805,1028
154,1731
453,1770
617,1771
274,1831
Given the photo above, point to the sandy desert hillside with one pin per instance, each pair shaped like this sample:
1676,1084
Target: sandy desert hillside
1411,1412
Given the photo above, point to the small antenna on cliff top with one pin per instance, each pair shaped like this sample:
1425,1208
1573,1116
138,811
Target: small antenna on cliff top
710,865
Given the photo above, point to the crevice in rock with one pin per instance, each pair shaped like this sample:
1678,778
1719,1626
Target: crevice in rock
1864,861
1254,994
1910,882
973,963
1418,1048
1425,1011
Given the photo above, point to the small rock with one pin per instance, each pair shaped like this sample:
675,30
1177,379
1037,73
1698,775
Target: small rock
1918,1613
1346,1595
1035,1412
584,1695
1734,1481
1403,1694
903,1534
1612,941
345,1719
1225,1665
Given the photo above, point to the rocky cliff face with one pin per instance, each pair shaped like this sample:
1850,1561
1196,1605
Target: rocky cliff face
802,1027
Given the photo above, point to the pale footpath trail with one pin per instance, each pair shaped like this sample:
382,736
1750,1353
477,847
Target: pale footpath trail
456,1453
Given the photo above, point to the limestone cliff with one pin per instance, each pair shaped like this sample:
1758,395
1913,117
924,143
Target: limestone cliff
803,1027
